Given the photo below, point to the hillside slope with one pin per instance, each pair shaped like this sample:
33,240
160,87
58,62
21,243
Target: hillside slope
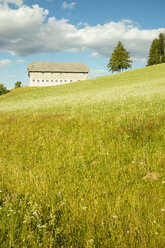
149,80
82,165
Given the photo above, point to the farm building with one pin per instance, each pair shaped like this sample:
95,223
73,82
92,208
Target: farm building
55,73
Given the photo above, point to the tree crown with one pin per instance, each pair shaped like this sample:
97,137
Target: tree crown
120,59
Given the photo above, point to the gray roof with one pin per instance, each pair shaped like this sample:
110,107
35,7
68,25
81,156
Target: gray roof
57,67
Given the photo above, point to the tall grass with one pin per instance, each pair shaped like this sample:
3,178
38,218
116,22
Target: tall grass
73,160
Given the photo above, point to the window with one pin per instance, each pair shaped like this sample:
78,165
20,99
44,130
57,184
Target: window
65,81
42,72
47,80
56,80
60,72
38,80
70,80
52,81
33,80
61,81
42,80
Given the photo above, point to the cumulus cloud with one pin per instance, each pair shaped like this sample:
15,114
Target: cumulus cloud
68,5
28,30
16,2
4,63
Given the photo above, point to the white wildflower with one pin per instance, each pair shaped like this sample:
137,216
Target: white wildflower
162,209
83,208
127,231
115,217
156,233
40,226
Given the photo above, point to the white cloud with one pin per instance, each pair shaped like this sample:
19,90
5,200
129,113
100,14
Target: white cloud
127,21
4,63
15,23
68,5
98,73
16,2
26,31
20,61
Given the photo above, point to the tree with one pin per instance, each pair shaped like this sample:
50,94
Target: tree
163,59
154,57
3,89
18,84
157,50
120,59
161,44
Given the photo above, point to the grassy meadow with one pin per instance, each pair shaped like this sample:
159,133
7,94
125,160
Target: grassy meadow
73,160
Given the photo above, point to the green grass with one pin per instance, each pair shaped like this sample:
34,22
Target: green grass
72,162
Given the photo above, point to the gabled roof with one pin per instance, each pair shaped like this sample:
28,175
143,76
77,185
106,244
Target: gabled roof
57,67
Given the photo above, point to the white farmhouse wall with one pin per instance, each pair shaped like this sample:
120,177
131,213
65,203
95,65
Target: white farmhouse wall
55,78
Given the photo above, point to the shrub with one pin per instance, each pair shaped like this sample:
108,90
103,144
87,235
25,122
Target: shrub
3,89
18,84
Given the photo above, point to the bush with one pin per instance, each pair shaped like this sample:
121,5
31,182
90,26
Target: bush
18,84
3,89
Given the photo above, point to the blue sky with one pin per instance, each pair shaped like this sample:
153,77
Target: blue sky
76,31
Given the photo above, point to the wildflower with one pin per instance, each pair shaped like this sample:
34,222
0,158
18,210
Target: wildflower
163,182
83,208
90,240
154,221
156,233
0,191
41,226
115,217
162,209
59,193
127,231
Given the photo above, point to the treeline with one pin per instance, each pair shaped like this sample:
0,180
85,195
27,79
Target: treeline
157,51
4,90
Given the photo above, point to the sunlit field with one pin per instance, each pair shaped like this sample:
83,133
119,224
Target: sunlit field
82,165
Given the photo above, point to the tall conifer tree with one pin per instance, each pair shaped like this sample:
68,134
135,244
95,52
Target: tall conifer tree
120,59
161,42
157,51
154,57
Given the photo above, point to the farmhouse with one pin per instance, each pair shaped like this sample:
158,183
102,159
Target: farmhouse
55,73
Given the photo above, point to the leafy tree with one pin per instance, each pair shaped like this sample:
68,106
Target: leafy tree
3,89
120,59
18,84
154,57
